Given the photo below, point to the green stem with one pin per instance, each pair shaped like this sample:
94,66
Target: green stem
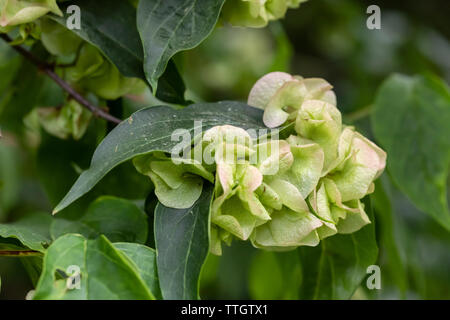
358,114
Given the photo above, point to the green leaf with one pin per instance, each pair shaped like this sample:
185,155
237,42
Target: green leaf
150,130
33,266
105,272
167,27
58,166
29,88
411,121
275,275
145,260
9,177
11,244
9,65
171,87
32,231
117,219
335,268
110,25
182,244
388,240
284,50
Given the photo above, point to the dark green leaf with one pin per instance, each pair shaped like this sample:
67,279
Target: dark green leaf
182,244
117,219
110,25
32,231
149,207
57,160
9,177
233,271
145,260
60,161
167,27
150,130
388,240
33,266
10,244
105,272
335,268
411,121
284,49
28,90
9,65
171,86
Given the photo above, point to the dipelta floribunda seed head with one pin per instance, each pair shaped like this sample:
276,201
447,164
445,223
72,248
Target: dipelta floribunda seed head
334,166
277,193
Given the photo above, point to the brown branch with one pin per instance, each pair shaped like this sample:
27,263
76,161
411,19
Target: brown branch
48,70
20,253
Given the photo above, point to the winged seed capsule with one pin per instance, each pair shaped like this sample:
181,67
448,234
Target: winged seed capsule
279,194
13,13
256,13
282,95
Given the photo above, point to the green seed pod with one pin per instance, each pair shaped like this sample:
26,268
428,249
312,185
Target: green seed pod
111,84
334,167
281,194
95,73
360,162
28,33
337,216
282,95
321,123
287,230
70,120
256,13
5,29
291,224
176,185
14,12
57,39
90,63
261,199
236,208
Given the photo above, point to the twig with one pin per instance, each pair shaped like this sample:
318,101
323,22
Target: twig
48,70
358,114
20,253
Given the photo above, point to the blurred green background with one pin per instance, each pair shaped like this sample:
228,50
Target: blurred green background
324,38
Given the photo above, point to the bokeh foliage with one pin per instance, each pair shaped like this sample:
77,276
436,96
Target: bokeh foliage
325,38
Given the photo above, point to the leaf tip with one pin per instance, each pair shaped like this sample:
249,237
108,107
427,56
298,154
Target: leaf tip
154,85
